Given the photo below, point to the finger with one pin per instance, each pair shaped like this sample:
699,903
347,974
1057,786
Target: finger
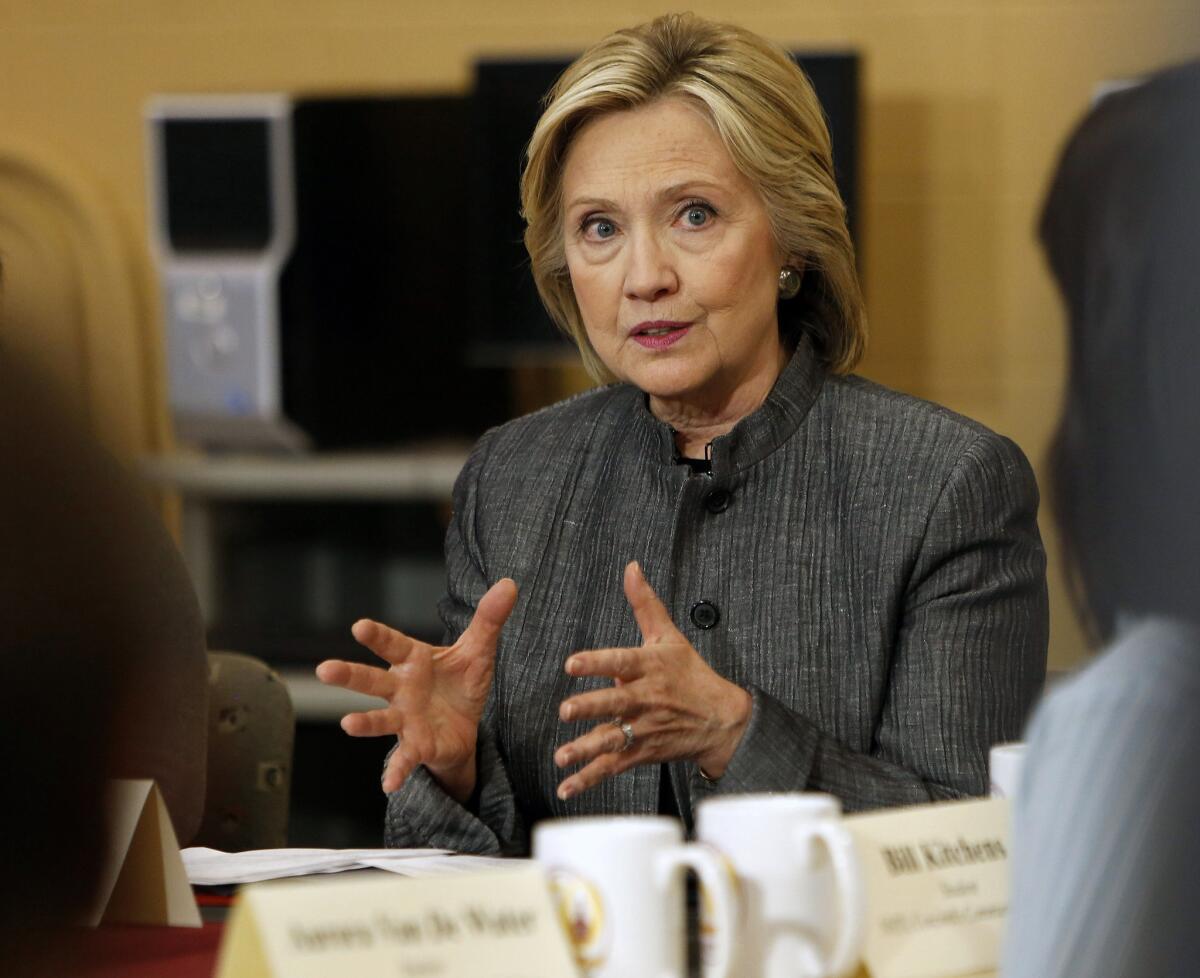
373,723
601,768
604,738
615,701
492,612
390,644
400,764
369,680
620,664
650,614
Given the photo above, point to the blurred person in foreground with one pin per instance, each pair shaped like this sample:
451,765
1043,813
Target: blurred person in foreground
104,666
1106,878
741,568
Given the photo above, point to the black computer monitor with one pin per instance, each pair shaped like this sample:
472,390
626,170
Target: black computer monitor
217,182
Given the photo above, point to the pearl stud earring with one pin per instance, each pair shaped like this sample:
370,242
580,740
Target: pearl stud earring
789,283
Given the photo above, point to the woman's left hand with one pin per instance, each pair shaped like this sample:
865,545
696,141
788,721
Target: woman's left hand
677,707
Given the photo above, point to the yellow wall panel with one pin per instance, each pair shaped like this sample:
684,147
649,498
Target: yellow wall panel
966,103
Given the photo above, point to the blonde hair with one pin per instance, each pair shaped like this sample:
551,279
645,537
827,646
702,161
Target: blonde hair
763,108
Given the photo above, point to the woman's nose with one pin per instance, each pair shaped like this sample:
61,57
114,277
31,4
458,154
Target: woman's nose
650,274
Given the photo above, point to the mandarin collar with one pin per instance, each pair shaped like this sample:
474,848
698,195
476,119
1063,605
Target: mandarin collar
759,433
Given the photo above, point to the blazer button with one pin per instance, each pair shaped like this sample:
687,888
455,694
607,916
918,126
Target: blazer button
705,614
717,501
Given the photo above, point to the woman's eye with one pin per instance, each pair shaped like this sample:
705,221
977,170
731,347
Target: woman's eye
696,216
599,228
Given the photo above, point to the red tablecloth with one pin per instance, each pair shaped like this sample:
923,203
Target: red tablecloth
127,951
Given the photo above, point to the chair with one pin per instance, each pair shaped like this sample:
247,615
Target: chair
251,730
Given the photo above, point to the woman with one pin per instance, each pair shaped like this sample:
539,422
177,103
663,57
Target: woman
739,568
1106,844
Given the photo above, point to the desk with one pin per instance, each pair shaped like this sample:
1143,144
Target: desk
127,951
150,952
122,951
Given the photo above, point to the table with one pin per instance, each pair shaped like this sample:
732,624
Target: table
129,951
120,951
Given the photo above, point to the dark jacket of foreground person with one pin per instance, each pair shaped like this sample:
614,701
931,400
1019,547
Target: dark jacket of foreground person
105,672
1106,857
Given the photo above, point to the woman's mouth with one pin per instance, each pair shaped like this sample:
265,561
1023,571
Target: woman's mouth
659,334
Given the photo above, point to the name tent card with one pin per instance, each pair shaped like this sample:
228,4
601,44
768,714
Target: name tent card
143,880
937,887
491,924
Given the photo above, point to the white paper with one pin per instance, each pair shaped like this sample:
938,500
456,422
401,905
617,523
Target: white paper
439,865
211,867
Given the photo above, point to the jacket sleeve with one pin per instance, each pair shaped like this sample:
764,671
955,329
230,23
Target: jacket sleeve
968,661
1105,846
420,813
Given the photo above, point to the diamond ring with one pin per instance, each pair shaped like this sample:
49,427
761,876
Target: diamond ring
627,729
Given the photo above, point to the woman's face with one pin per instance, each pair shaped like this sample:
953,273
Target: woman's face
671,256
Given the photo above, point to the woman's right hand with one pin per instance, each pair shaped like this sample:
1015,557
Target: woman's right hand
435,695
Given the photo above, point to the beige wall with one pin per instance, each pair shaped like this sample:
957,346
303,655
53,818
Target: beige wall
966,103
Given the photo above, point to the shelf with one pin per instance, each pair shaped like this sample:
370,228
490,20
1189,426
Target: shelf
416,474
217,488
314,702
296,648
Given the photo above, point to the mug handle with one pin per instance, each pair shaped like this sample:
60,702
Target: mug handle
718,880
847,873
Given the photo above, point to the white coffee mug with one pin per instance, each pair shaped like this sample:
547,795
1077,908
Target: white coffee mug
803,910
1004,768
619,884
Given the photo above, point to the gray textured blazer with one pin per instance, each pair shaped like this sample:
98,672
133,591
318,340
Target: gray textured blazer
874,561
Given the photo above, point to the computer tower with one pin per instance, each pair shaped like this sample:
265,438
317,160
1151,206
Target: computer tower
317,271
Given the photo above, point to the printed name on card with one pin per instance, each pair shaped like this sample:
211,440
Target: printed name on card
489,924
937,887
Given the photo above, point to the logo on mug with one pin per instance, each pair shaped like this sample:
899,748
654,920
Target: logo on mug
710,935
581,913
